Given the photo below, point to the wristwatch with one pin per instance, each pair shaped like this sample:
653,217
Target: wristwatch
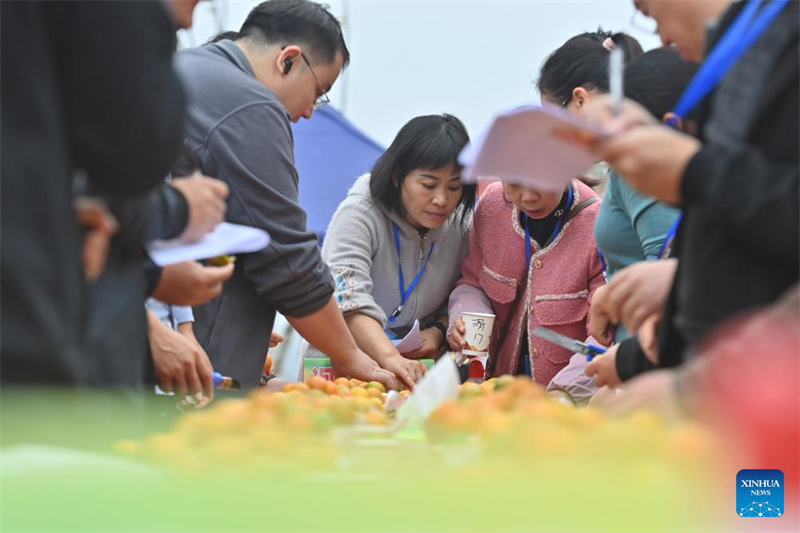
441,327
265,379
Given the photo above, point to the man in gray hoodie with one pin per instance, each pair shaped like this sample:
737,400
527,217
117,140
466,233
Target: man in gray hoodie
242,95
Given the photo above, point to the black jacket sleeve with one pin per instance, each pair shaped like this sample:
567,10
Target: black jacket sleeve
124,103
631,360
167,213
764,219
160,214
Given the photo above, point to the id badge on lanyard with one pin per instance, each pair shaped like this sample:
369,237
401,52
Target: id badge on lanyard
405,293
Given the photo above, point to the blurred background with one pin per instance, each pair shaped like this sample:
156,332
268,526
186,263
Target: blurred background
468,58
472,59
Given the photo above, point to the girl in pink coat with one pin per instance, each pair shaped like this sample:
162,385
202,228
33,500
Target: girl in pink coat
548,283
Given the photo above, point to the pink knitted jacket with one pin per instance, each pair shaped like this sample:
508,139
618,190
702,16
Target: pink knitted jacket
555,293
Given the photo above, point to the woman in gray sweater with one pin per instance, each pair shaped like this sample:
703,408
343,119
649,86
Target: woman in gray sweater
395,244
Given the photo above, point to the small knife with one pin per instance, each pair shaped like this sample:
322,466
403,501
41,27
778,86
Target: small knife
589,350
225,382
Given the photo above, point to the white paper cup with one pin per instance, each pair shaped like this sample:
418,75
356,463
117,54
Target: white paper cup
479,332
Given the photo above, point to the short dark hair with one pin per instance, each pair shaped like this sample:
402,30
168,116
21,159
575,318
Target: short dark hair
657,79
221,36
288,22
583,62
430,142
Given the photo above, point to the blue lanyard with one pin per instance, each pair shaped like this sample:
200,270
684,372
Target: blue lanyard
737,39
404,294
603,264
559,221
666,246
729,49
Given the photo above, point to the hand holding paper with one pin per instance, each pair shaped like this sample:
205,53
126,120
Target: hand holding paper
411,341
226,238
542,147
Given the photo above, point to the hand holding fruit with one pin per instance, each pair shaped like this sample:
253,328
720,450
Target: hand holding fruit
361,366
408,371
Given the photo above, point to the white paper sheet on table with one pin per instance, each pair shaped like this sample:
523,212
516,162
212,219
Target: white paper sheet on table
440,383
226,238
541,147
410,342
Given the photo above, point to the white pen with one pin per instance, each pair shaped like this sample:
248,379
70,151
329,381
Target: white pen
615,66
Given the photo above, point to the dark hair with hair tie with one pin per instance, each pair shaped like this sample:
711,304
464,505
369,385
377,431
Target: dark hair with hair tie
427,142
583,62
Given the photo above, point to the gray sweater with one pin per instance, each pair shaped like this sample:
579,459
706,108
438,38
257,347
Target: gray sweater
240,133
361,253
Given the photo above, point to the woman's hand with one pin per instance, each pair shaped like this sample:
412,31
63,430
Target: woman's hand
408,371
432,340
360,366
456,335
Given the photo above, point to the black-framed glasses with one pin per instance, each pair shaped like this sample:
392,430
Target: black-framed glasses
643,23
322,100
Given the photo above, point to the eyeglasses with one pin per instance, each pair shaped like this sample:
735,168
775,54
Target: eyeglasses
643,23
323,99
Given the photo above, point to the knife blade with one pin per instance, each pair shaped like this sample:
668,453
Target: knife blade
589,350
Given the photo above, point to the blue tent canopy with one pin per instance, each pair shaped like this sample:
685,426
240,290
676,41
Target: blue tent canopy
330,153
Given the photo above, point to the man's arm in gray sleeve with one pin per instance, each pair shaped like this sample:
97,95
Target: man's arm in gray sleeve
252,151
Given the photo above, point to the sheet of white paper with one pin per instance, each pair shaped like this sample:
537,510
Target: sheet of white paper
410,342
541,147
226,238
440,383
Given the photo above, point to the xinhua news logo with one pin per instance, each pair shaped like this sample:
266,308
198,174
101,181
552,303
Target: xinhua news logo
759,493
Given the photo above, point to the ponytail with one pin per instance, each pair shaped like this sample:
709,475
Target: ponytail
583,62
